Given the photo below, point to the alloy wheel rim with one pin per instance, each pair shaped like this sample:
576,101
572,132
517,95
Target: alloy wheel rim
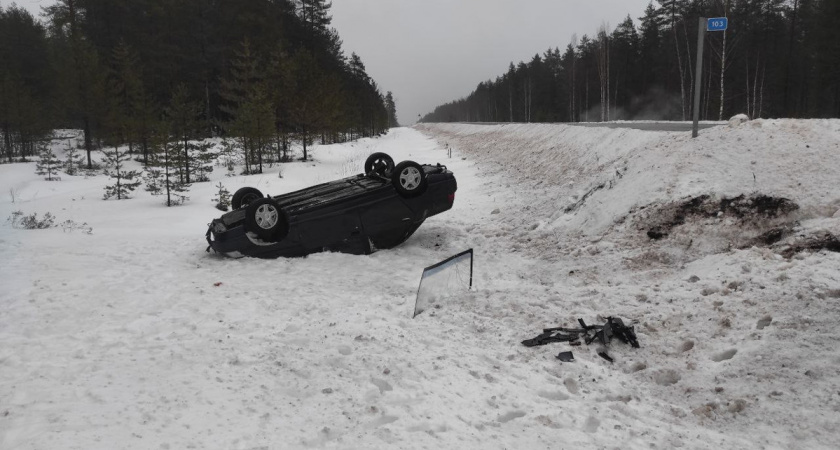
410,178
266,216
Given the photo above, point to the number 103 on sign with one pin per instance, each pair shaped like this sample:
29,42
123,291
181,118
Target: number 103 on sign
717,24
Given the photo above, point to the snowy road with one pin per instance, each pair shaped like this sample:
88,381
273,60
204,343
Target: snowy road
650,126
134,337
665,126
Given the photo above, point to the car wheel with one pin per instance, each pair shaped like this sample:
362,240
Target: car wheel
380,164
266,219
409,179
245,196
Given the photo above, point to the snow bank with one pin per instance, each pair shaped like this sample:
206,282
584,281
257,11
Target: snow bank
588,181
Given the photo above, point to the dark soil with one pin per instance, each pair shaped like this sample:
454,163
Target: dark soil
772,236
752,208
825,241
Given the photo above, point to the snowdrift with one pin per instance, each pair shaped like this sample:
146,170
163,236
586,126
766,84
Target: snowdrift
632,186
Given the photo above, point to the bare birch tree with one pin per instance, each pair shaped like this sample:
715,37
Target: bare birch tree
723,64
602,49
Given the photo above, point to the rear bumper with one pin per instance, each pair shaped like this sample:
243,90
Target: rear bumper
233,242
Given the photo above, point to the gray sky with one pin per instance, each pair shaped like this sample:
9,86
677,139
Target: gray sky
429,52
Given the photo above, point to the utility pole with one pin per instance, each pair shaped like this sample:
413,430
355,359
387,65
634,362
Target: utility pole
703,25
701,38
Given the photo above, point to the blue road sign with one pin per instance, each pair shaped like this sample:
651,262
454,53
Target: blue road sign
717,24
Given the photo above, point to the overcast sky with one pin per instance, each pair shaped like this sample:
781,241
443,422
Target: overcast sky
429,52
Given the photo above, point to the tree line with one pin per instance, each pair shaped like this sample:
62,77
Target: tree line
779,58
158,75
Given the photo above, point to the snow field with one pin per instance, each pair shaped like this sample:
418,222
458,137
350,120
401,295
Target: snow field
134,337
737,351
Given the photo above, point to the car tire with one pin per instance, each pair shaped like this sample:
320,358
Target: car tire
409,179
265,218
380,164
245,196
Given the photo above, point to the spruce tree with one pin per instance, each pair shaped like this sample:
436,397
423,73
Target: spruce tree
222,198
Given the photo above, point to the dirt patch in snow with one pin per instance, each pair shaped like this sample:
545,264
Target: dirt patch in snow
705,224
754,210
813,243
708,224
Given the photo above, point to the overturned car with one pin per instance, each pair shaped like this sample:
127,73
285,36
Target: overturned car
376,210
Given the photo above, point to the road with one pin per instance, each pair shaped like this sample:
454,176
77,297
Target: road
642,125
649,126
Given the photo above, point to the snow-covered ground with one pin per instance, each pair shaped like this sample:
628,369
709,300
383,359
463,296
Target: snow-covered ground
134,337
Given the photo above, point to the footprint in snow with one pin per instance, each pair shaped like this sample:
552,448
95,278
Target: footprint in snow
383,385
507,417
723,356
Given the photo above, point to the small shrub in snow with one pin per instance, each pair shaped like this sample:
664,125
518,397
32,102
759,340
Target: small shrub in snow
70,226
222,198
48,164
31,222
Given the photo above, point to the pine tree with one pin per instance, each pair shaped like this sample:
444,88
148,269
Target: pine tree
126,90
83,74
254,126
48,164
202,155
73,160
316,95
182,117
161,175
315,13
125,180
279,78
24,83
624,45
392,110
570,65
249,109
228,154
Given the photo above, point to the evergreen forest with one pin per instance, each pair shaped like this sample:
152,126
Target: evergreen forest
778,58
148,74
